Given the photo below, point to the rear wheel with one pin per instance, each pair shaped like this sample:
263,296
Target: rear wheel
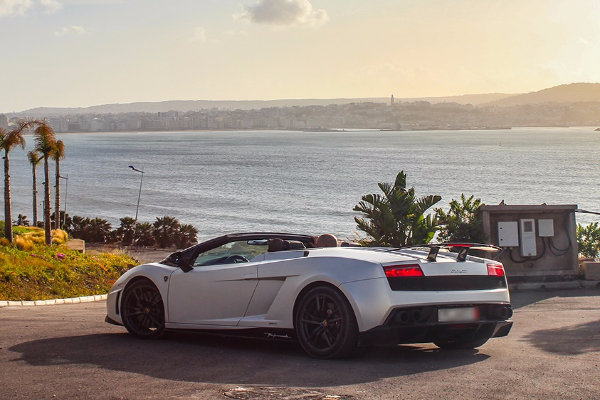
325,324
143,311
461,344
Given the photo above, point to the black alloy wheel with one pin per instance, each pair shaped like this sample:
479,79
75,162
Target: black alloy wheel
325,324
143,311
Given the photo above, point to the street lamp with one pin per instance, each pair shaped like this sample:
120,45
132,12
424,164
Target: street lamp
140,193
66,193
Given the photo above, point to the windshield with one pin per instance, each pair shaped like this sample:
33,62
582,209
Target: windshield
233,252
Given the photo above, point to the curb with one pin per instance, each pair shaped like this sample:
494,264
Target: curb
525,287
72,300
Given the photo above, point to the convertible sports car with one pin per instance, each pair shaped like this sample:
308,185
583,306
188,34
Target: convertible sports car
331,300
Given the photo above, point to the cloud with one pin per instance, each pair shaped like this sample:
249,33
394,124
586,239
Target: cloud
234,33
51,6
71,30
14,7
200,35
19,7
284,13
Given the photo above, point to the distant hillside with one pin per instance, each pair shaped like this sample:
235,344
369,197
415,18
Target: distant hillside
193,105
571,93
474,99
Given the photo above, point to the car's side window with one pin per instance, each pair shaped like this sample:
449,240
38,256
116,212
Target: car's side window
230,253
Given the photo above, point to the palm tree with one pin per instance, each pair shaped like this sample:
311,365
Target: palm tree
186,236
45,142
57,155
397,218
164,231
9,140
22,220
34,160
127,230
143,234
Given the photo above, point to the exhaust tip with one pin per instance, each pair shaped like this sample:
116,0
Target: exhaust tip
402,317
416,315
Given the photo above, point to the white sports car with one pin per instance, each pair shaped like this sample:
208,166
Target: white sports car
331,300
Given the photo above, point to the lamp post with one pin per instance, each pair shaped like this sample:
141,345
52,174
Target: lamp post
140,193
66,193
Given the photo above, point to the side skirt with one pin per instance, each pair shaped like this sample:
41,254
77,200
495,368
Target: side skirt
255,333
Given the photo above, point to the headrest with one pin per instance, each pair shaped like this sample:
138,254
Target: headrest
278,244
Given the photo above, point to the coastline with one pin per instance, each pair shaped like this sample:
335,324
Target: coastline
333,130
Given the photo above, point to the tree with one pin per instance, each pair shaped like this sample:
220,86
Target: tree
97,230
164,231
57,154
78,225
397,218
461,223
186,236
143,234
126,231
8,141
34,160
22,220
45,142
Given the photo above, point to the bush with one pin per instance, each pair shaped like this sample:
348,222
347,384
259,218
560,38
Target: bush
36,235
49,272
588,240
461,223
23,243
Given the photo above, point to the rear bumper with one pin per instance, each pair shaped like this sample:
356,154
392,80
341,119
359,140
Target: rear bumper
386,335
421,325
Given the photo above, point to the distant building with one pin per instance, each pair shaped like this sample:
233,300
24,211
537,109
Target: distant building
392,102
3,121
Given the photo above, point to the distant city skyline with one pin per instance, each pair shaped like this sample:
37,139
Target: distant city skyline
80,53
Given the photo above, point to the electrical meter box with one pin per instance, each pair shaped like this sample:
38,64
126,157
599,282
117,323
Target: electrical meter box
508,234
528,241
545,227
539,241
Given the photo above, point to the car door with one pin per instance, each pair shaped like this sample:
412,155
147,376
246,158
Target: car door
216,291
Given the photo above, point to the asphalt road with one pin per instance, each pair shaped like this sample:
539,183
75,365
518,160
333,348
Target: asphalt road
68,352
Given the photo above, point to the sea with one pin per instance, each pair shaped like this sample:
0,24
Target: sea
307,182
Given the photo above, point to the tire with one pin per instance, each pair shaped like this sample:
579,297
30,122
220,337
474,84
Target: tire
461,344
143,310
325,324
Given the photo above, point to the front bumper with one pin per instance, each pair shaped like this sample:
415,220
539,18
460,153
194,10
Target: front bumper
109,320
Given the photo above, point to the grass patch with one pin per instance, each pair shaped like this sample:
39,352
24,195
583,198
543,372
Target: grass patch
30,270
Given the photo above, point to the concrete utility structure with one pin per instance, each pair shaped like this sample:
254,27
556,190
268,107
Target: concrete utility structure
539,242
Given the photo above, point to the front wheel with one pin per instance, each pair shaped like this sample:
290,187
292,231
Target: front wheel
143,311
325,324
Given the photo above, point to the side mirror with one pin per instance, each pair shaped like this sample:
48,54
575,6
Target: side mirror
178,259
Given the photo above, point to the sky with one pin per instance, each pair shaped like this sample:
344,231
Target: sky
79,53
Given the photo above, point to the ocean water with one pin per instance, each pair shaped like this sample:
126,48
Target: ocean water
308,182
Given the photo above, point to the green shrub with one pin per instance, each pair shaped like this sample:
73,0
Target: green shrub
588,240
49,272
462,222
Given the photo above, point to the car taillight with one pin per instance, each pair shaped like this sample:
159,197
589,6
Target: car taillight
495,270
401,271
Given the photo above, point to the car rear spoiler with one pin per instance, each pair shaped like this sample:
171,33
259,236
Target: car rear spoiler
463,249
